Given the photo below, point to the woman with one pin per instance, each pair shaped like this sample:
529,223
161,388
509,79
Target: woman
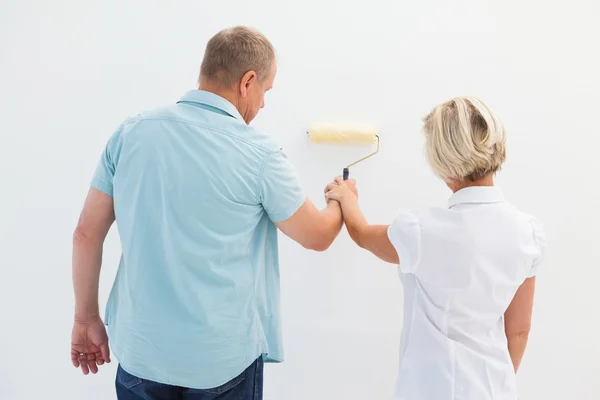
468,270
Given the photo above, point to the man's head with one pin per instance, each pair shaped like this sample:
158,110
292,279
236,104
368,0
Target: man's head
239,64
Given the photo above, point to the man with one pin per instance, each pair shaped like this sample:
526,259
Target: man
198,196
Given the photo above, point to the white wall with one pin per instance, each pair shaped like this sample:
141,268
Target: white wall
71,71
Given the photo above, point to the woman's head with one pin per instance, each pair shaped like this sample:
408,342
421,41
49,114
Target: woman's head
465,141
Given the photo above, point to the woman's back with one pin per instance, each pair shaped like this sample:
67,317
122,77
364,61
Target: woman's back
467,269
461,268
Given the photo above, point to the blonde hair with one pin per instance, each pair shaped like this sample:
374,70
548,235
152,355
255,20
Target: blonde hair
234,51
465,140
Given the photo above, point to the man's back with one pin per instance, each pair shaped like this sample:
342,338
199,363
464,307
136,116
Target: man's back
198,197
196,192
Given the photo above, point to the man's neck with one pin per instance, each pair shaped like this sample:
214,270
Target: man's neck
227,94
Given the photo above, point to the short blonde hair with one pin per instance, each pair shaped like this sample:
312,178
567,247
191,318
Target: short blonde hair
234,51
465,140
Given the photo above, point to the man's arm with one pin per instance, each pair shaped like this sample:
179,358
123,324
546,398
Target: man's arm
282,197
88,239
517,321
311,228
89,341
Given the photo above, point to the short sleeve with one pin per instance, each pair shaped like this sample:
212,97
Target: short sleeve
405,235
105,169
539,237
280,192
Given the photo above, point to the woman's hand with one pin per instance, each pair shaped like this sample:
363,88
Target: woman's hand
342,191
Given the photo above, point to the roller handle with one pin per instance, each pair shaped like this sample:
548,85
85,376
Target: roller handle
346,174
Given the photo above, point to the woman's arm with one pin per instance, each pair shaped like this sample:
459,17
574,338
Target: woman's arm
517,321
373,238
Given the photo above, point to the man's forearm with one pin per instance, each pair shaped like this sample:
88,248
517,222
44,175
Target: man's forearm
334,221
87,260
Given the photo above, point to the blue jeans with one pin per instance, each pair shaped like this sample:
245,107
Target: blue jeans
247,386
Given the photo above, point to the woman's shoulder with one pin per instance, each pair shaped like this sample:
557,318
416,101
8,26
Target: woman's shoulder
537,230
532,228
531,220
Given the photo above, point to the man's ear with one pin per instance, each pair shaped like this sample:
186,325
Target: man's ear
247,81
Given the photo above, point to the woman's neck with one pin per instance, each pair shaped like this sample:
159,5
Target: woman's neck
455,186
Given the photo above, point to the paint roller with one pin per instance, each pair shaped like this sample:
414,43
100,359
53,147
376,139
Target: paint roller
355,135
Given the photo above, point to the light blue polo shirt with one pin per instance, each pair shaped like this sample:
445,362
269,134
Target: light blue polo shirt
196,194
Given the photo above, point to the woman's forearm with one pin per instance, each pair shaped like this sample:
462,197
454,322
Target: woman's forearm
516,348
517,321
355,221
373,238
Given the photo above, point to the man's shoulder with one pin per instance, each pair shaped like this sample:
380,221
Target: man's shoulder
225,125
164,113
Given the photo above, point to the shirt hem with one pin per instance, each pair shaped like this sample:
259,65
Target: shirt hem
102,186
174,382
282,216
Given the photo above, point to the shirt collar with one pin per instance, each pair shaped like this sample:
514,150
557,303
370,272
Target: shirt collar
211,100
476,194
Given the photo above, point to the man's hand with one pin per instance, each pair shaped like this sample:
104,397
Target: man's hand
350,183
341,190
89,345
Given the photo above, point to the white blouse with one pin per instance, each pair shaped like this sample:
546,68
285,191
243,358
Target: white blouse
461,268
